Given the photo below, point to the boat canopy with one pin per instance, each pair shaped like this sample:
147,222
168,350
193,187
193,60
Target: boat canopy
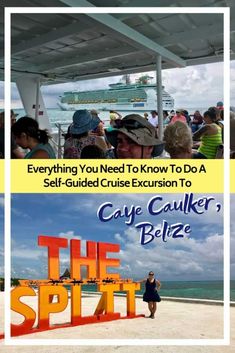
70,47
60,47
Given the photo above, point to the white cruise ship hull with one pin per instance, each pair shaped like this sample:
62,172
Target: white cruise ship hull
141,107
121,98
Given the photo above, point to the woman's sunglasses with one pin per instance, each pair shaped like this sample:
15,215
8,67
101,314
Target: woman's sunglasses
128,124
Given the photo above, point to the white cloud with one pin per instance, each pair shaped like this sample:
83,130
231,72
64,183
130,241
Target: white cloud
194,86
69,235
179,258
64,256
119,238
24,252
19,213
21,271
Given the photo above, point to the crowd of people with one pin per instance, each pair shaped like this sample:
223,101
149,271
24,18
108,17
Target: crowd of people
130,137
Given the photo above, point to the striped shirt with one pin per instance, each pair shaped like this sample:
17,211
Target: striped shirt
210,143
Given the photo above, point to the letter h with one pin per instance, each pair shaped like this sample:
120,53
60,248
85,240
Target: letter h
77,260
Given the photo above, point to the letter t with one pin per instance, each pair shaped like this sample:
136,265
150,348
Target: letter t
53,244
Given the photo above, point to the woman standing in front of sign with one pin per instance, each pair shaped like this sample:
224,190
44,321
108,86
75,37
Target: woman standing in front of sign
151,295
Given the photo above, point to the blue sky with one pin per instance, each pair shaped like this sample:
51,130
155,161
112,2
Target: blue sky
197,257
194,86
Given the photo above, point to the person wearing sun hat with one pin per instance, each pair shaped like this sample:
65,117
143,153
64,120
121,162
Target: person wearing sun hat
134,138
80,134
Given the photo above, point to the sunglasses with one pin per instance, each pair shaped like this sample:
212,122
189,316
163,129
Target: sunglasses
177,112
128,124
151,274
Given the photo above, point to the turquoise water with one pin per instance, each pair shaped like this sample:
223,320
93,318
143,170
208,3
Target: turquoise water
58,116
187,289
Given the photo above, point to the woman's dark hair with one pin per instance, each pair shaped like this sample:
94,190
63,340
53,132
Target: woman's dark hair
30,127
222,114
211,113
117,123
197,113
78,136
92,152
215,111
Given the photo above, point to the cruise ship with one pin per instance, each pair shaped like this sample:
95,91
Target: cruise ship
140,96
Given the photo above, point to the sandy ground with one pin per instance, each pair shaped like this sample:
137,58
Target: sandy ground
173,320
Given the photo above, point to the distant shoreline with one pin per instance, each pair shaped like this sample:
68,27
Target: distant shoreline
196,290
165,298
172,299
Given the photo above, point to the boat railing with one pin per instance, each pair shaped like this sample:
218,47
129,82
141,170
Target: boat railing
57,140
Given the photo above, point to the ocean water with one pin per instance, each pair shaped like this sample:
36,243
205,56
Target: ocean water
55,116
187,289
65,117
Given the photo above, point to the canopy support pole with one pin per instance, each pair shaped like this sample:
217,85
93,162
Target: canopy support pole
37,98
159,95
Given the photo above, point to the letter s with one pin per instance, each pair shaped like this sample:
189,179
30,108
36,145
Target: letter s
23,309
